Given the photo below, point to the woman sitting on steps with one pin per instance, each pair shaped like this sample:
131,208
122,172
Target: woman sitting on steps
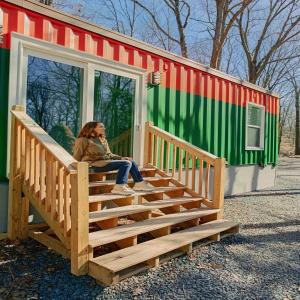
91,146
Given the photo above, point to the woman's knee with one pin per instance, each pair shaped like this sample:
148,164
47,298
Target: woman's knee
126,163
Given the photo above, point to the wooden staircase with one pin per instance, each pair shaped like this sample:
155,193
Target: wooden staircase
107,236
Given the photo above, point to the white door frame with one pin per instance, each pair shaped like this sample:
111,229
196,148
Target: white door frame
22,46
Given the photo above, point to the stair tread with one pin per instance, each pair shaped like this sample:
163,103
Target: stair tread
127,257
110,196
105,214
110,213
115,171
106,236
110,182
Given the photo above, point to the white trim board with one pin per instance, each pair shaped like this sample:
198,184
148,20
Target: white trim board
22,46
262,127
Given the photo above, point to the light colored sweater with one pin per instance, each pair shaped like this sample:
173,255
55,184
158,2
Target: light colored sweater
95,151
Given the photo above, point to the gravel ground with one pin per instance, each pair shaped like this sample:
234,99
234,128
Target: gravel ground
261,262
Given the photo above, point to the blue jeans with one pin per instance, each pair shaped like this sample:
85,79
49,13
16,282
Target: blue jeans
124,167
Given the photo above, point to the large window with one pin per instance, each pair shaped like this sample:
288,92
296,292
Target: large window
54,98
114,106
255,127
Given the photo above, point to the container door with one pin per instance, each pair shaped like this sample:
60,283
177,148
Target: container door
114,97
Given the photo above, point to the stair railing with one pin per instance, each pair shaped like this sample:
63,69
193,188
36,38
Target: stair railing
201,172
47,176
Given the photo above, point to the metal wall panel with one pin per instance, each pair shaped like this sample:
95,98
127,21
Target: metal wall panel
205,109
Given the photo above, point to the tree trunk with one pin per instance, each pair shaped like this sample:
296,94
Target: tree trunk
297,127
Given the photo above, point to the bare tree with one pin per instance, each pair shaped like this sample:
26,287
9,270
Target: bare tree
221,17
278,28
181,11
294,79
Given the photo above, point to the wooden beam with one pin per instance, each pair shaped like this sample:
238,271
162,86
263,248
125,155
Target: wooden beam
49,242
79,220
14,202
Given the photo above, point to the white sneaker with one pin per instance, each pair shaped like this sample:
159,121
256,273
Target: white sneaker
122,189
143,186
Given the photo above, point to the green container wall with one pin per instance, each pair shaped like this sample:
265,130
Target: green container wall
215,126
4,70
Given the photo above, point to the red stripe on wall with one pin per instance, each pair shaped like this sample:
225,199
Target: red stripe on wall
174,75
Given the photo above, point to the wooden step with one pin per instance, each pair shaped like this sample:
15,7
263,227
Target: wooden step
151,180
107,236
113,197
94,175
98,216
113,267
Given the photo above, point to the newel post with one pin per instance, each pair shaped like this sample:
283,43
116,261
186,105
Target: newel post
79,219
148,144
219,181
15,192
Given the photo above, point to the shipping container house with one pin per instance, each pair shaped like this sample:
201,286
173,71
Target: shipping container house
67,71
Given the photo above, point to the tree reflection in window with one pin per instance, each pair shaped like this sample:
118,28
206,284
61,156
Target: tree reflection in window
54,93
114,106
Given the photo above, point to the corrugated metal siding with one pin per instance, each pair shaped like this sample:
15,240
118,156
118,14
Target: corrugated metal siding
202,108
215,126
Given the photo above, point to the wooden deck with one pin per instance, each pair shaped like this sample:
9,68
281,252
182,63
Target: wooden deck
107,236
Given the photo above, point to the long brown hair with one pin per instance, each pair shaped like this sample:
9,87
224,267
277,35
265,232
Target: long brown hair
88,129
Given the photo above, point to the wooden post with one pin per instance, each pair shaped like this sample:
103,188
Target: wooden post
15,193
148,144
219,178
79,220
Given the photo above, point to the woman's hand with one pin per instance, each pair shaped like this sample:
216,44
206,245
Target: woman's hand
127,158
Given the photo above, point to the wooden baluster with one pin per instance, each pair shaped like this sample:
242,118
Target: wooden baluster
60,208
155,161
54,190
200,176
174,160
193,173
27,157
37,168
161,153
186,168
32,162
168,158
48,181
180,165
18,148
23,153
42,175
207,180
67,203
151,148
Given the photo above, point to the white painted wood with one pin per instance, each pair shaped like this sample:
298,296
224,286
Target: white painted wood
262,127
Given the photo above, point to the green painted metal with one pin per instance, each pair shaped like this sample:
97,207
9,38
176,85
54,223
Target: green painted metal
215,126
4,75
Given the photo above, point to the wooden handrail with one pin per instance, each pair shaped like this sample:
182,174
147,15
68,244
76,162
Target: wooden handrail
47,141
200,171
183,144
44,173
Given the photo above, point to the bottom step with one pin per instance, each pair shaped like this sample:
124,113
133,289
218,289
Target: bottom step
115,266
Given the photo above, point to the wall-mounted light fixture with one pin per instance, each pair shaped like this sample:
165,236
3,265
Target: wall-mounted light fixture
1,34
155,78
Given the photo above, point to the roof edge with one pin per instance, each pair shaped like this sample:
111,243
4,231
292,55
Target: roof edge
92,27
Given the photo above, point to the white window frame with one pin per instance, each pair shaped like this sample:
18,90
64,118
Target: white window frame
262,127
22,46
